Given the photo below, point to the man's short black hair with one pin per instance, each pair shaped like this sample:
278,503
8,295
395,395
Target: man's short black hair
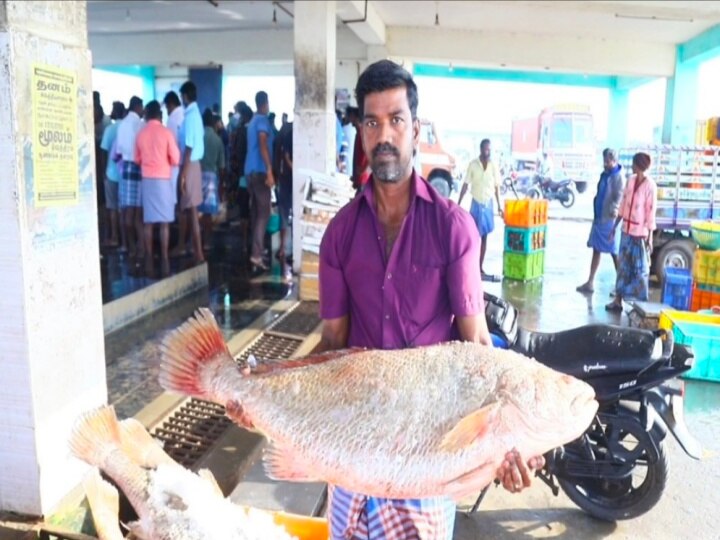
118,110
386,75
352,112
484,142
208,118
135,102
610,153
246,112
153,110
261,98
189,90
171,98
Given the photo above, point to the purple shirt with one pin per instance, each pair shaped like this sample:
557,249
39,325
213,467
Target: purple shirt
431,277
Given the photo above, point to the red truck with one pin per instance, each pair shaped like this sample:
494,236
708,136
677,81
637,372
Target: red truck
566,134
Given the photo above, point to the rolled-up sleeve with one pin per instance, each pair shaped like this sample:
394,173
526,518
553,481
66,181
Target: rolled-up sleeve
463,272
334,294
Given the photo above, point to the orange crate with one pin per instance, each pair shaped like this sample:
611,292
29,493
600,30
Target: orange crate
526,213
704,298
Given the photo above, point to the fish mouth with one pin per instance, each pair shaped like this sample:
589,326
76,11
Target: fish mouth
584,401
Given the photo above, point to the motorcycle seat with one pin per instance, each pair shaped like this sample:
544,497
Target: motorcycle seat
593,350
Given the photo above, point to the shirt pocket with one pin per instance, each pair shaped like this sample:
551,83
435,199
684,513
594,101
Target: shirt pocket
425,296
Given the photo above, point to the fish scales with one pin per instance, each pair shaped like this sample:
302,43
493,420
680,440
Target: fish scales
406,423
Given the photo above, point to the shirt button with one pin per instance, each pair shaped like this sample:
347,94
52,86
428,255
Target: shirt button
389,276
387,317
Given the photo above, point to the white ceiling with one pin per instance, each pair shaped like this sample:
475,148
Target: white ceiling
650,21
141,16
675,21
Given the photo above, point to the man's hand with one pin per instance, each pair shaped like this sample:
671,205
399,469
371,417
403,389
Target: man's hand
514,474
650,243
270,180
182,181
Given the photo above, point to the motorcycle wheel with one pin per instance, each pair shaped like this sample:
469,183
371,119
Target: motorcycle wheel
534,193
569,198
627,498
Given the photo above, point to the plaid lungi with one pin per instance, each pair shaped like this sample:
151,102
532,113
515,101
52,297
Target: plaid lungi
129,193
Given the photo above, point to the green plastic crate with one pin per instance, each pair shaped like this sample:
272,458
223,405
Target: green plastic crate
523,267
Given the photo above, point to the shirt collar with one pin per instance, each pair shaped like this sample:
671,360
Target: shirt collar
418,188
192,106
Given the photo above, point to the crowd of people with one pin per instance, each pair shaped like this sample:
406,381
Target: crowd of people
184,170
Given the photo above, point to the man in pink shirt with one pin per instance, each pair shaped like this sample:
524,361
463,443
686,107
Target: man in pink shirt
156,152
637,213
399,268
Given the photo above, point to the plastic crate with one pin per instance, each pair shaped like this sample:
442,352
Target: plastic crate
525,240
526,213
678,288
706,267
669,317
523,267
704,297
704,339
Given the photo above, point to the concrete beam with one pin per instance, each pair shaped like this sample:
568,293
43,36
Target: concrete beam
702,47
369,27
524,51
201,48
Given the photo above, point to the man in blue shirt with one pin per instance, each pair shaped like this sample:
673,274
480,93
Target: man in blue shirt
190,175
258,170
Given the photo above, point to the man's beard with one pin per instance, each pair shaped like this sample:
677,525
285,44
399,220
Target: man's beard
388,172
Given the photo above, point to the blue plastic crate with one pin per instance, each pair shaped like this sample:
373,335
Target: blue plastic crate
519,240
678,288
704,339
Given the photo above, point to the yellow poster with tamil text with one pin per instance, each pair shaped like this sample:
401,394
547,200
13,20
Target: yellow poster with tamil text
54,132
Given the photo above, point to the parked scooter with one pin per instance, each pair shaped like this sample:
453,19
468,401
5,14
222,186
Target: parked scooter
546,188
618,468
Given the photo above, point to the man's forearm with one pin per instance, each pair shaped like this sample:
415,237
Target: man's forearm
265,154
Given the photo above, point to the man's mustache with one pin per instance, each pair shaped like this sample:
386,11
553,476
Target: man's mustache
385,147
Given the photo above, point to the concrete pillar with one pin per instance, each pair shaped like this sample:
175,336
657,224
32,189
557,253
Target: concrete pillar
681,97
618,121
52,358
314,123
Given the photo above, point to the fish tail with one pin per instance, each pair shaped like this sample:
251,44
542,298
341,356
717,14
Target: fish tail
104,501
95,434
196,347
140,446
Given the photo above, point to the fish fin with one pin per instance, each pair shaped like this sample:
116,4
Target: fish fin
188,351
95,433
470,483
281,463
140,447
470,428
303,361
104,501
209,477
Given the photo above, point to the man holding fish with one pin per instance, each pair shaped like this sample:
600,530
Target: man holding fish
398,269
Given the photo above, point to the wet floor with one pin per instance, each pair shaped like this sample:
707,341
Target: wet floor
235,297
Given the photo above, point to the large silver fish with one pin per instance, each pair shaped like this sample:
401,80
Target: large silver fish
172,502
410,423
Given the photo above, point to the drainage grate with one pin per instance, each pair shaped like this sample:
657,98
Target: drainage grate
269,347
192,430
300,321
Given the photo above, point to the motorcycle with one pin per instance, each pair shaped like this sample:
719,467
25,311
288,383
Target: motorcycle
618,468
517,182
546,188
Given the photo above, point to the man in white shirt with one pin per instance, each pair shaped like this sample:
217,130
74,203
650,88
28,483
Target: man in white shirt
176,115
129,193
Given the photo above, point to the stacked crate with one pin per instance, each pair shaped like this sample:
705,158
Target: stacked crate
323,196
677,289
701,333
706,275
525,239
